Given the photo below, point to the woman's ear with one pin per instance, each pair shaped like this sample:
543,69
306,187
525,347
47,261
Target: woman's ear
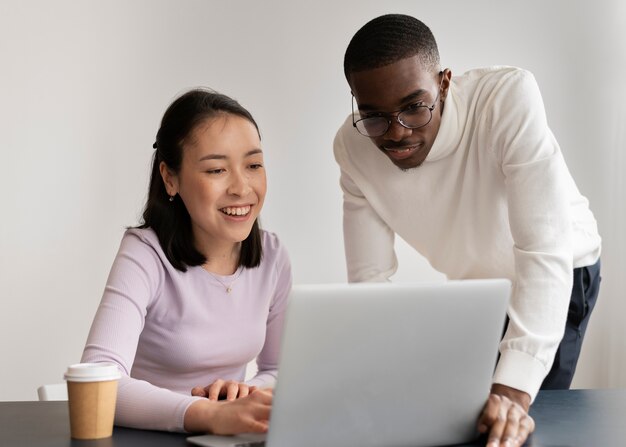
170,179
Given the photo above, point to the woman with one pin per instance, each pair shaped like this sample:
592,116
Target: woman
198,290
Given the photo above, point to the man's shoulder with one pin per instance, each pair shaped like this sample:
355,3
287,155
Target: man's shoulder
348,140
487,79
346,128
497,88
493,72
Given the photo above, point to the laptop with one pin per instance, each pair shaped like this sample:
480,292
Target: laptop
383,364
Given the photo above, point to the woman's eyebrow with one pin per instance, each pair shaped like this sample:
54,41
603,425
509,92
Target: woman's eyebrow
213,157
253,152
225,157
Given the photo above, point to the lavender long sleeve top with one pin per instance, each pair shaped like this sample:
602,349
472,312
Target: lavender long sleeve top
169,331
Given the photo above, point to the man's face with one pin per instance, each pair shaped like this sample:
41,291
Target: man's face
395,87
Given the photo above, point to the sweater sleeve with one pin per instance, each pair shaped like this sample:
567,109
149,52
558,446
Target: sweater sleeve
135,278
267,360
539,215
368,240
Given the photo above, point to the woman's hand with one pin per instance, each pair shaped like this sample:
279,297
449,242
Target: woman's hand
223,389
505,417
249,414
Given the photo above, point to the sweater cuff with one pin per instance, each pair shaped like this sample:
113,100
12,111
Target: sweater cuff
521,371
265,379
180,420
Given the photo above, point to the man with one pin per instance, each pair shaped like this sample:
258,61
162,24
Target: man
467,171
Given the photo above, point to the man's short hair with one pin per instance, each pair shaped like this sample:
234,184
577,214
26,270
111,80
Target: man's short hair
388,39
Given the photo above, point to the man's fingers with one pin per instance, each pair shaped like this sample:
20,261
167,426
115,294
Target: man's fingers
510,436
526,427
490,413
498,426
529,422
508,423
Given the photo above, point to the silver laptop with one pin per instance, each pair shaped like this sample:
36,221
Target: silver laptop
383,364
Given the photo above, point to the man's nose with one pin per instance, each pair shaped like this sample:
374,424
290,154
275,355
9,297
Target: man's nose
396,132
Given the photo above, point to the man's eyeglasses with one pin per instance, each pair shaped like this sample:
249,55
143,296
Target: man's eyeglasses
411,117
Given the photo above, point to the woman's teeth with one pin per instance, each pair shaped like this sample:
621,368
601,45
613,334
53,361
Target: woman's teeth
236,211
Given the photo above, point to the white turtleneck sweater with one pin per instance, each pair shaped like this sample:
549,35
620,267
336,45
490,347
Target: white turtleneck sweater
494,198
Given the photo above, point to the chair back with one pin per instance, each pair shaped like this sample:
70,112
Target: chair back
55,391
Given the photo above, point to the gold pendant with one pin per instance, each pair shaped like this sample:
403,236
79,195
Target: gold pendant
229,289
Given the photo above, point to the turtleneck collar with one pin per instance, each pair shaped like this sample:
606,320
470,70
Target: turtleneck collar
450,129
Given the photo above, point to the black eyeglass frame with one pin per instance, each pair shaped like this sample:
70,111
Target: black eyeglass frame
396,114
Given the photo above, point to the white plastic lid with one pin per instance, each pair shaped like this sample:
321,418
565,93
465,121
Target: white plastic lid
92,372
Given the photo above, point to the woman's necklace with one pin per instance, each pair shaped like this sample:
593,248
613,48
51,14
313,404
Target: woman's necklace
228,287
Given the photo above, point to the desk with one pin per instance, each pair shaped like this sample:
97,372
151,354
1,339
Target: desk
575,418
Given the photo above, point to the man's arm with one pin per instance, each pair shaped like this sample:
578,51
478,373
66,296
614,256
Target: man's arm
538,192
538,188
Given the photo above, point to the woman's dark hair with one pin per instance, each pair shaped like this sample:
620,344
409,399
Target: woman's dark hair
170,220
388,39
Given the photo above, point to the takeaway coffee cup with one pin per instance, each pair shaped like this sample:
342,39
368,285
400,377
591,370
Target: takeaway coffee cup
92,391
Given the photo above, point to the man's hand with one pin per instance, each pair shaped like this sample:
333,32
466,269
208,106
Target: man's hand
223,389
506,418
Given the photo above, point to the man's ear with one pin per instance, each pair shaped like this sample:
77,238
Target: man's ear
445,84
170,179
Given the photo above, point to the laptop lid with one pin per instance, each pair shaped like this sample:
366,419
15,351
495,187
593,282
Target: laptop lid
386,364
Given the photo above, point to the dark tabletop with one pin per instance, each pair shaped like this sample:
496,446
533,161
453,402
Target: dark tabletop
584,418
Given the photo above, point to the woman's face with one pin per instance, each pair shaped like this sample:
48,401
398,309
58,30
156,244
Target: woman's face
222,180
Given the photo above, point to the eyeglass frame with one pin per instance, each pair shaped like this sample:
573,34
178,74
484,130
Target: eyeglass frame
396,114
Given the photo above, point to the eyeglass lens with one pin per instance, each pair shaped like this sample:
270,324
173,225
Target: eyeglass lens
411,118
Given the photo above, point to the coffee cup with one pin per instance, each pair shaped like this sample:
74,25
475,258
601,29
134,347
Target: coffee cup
92,392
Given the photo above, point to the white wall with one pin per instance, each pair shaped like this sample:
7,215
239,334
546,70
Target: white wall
83,85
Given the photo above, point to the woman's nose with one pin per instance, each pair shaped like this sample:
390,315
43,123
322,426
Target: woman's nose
239,185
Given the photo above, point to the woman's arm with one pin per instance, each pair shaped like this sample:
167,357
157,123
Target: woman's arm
267,360
134,281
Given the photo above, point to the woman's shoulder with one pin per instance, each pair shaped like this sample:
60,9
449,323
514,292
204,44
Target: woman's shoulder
275,262
140,237
139,262
270,240
142,243
273,249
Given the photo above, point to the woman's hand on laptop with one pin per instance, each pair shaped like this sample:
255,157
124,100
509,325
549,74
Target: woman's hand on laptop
248,414
505,417
223,390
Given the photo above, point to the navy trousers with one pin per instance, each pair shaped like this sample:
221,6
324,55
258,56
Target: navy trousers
584,295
